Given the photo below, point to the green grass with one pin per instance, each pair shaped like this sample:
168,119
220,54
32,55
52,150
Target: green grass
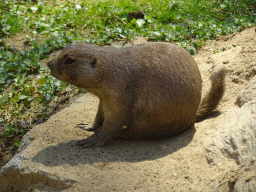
28,92
164,20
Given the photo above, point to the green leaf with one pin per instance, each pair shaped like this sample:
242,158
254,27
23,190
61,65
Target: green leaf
222,6
9,126
194,45
78,6
109,41
33,8
22,80
140,22
15,99
55,33
41,81
200,24
22,97
17,143
3,100
57,83
157,33
35,45
2,81
123,36
192,52
29,10
30,98
47,97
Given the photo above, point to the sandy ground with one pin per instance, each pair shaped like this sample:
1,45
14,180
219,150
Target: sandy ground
176,164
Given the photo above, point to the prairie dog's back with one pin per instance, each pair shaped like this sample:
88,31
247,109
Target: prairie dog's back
156,70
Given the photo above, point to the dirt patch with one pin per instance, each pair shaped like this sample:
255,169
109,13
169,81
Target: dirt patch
19,41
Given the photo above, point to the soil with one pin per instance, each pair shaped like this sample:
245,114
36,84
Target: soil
176,164
19,41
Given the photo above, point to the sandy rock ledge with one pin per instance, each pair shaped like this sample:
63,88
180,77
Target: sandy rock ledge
236,140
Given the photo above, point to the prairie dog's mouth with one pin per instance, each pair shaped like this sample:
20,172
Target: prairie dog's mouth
56,75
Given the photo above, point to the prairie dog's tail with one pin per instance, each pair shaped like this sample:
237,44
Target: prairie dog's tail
213,97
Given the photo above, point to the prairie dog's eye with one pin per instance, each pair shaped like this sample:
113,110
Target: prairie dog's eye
93,62
69,61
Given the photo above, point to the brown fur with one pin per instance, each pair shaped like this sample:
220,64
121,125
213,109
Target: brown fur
153,89
213,97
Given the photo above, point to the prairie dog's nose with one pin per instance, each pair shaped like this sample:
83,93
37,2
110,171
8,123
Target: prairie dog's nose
49,64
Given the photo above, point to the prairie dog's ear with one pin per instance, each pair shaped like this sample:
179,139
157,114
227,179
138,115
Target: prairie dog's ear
93,61
69,59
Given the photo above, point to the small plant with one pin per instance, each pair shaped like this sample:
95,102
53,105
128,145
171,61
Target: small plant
13,130
9,19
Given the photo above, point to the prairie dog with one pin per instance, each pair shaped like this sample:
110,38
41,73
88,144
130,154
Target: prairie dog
153,89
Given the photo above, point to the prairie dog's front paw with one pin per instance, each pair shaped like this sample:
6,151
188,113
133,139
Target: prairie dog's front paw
95,140
86,126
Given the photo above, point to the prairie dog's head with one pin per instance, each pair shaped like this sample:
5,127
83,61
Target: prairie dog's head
74,65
